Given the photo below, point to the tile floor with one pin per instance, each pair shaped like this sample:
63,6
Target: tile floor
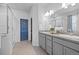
26,48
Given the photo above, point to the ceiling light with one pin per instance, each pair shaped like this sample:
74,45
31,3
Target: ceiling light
51,12
73,4
64,5
47,14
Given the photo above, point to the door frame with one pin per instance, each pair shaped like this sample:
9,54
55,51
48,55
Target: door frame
31,30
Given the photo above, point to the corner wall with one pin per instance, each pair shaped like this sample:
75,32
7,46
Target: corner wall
35,32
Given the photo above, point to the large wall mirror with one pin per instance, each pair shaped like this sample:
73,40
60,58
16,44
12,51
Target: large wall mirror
57,23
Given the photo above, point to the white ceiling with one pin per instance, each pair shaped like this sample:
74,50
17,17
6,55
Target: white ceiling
27,6
51,6
69,9
57,7
45,6
21,6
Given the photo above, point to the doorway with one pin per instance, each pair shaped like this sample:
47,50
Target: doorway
23,29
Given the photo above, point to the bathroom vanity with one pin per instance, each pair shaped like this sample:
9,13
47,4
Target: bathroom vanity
59,44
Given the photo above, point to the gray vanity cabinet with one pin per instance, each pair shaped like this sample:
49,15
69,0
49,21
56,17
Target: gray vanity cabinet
63,47
49,44
58,45
57,49
69,51
42,40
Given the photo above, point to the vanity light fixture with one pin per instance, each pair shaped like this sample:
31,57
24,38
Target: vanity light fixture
73,4
65,5
49,13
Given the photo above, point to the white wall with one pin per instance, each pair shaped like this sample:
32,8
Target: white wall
6,38
34,15
3,19
44,22
19,14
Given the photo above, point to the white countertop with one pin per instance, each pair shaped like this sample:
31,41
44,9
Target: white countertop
72,38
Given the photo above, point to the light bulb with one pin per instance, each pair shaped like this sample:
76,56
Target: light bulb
51,12
47,14
73,4
64,5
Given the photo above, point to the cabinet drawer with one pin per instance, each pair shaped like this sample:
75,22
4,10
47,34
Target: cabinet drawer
49,37
49,50
57,49
42,42
70,51
41,35
49,43
42,45
67,43
41,38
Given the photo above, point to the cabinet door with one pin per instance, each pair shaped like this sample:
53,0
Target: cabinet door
3,19
42,41
49,43
57,49
49,50
69,51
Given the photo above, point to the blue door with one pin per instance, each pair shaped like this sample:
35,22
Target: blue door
23,29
